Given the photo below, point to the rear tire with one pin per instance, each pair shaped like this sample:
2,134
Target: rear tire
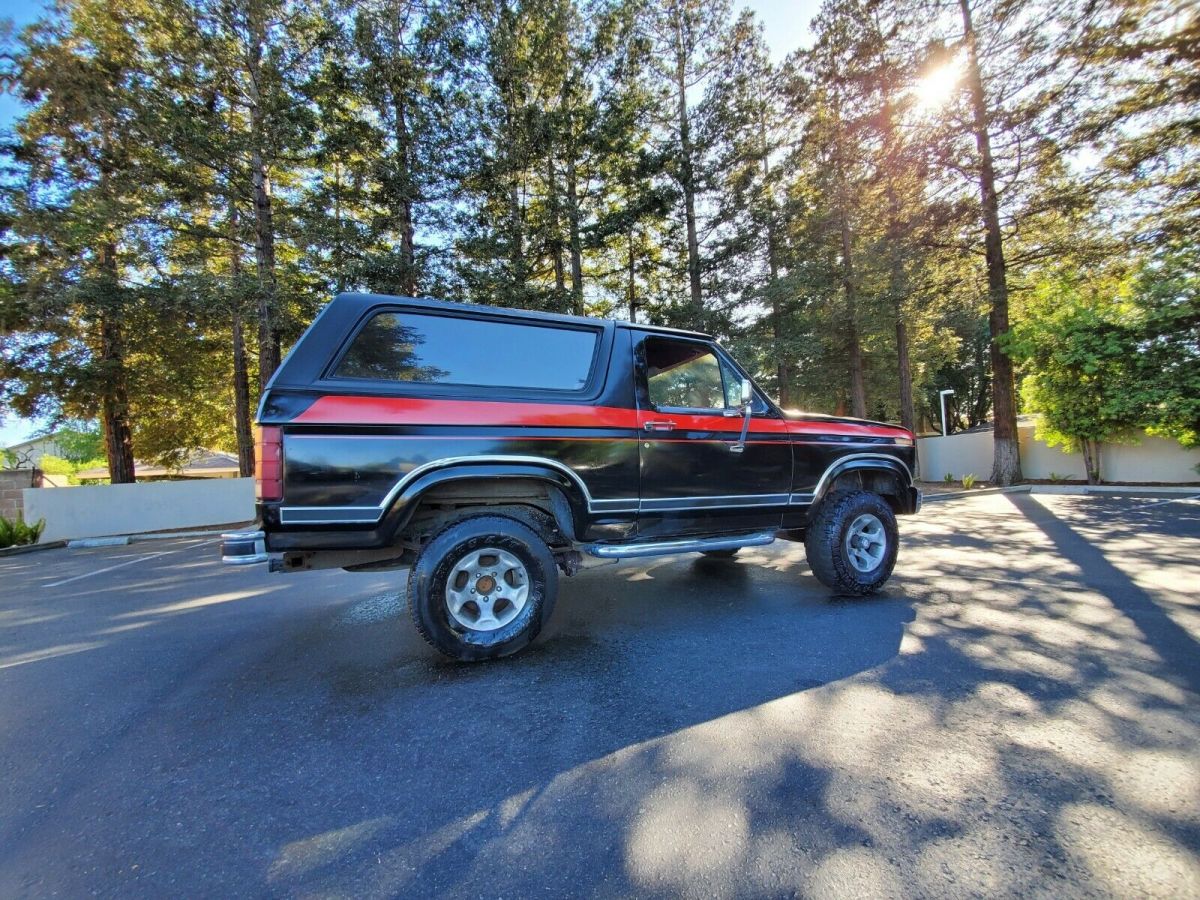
482,588
852,542
720,554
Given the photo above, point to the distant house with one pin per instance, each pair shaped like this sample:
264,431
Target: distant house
201,464
28,454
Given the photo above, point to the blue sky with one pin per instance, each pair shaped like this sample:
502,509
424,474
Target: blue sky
786,26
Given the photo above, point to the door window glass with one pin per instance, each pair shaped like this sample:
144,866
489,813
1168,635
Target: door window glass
684,374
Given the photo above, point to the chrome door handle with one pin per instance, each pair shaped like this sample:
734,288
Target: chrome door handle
660,425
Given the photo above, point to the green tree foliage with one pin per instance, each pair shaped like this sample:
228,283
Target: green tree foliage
863,219
1104,357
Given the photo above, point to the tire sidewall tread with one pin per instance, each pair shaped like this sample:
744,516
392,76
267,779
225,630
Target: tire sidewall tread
427,580
825,537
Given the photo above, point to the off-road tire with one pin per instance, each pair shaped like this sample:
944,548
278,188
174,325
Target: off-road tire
428,579
825,542
720,554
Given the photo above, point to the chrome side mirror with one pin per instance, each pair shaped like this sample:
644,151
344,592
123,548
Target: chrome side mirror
747,408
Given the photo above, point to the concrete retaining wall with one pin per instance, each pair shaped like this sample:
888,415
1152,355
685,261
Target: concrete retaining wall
1151,459
13,483
79,512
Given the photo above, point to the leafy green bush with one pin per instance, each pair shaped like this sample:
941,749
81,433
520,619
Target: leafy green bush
968,481
13,533
56,465
948,478
1056,477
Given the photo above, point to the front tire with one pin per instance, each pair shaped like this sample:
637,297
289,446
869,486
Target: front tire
852,542
482,588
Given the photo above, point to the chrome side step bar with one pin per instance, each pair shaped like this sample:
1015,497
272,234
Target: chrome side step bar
685,545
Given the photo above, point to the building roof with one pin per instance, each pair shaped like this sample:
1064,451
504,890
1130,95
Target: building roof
203,464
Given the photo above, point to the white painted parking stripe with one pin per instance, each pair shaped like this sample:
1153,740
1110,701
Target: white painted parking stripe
120,565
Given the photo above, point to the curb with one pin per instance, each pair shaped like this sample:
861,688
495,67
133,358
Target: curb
1076,490
168,535
1129,490
118,540
1016,489
88,543
32,548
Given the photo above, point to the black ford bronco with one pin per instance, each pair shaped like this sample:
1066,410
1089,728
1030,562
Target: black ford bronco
487,449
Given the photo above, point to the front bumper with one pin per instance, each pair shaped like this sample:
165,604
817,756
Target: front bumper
243,548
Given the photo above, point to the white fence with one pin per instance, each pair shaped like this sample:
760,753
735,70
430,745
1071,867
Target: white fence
79,512
1151,459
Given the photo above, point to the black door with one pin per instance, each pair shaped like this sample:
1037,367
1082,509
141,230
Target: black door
692,478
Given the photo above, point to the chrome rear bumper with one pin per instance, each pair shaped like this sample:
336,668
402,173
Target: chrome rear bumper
243,548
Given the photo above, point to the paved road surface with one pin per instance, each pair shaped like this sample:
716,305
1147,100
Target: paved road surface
1018,715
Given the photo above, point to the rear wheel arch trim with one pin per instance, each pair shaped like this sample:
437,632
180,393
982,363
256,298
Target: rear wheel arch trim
567,506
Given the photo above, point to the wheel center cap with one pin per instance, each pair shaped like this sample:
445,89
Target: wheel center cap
485,585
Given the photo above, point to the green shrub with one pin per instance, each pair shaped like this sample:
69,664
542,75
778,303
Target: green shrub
948,478
1056,477
16,532
968,481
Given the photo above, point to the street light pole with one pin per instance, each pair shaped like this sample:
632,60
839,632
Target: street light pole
942,399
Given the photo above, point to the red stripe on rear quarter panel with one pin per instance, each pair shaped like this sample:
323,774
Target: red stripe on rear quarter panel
411,411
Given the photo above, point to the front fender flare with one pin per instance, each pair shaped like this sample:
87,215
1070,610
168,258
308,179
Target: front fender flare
879,462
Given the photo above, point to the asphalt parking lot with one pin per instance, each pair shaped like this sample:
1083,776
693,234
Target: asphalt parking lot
1017,715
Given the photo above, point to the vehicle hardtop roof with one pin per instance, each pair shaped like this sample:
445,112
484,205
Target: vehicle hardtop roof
366,301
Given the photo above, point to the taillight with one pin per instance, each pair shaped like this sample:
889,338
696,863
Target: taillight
268,463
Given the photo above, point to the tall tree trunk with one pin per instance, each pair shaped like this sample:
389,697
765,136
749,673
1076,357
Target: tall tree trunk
903,365
631,272
1006,464
556,242
242,426
241,401
114,405
264,226
782,373
339,251
114,400
687,175
858,393
573,217
404,211
1091,459
516,248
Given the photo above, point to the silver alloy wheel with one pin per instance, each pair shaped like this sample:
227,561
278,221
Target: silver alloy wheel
487,589
866,543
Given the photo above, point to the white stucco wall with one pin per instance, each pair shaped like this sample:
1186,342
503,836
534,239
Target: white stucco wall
79,512
1151,459
957,454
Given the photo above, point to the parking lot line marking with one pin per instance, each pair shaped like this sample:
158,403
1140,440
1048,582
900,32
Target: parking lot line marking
120,565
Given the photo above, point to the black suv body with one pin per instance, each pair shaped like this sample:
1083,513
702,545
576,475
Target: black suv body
403,432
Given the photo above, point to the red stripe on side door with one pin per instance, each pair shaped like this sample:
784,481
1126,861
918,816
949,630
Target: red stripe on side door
691,422
335,410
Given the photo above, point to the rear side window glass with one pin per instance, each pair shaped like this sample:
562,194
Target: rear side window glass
396,346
